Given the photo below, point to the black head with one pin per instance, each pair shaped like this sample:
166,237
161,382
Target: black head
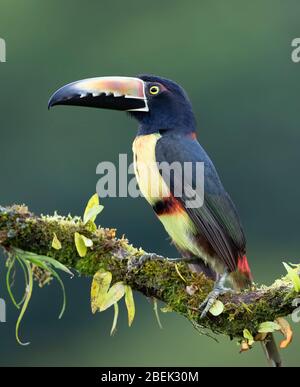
159,104
170,109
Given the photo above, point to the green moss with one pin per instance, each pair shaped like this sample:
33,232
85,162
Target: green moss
157,279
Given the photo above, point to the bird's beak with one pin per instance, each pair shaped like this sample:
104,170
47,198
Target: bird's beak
119,93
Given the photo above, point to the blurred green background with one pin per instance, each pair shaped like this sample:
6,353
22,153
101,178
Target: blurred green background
234,59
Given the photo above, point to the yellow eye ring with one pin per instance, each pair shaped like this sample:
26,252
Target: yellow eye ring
154,90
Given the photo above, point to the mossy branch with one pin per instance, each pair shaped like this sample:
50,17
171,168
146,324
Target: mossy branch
21,229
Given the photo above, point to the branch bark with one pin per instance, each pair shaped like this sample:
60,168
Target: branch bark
21,229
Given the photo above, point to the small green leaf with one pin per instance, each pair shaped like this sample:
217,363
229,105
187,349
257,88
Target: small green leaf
80,245
268,327
88,242
293,276
115,320
55,275
8,282
42,258
115,293
217,308
247,335
93,201
91,214
129,301
28,292
46,263
9,285
56,244
155,308
22,265
56,264
100,285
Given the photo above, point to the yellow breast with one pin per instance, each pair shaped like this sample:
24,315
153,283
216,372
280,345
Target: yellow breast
177,224
146,169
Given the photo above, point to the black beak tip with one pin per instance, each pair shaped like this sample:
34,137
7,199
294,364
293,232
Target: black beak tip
58,97
52,102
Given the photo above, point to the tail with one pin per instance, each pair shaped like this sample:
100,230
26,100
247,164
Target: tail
271,351
242,279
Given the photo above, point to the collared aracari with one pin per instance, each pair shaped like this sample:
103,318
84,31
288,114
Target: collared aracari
209,236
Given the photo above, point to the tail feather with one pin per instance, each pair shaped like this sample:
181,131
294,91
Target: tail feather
271,351
242,277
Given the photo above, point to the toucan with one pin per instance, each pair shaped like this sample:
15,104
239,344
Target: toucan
208,235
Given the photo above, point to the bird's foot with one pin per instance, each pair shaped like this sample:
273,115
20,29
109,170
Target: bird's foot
137,263
217,291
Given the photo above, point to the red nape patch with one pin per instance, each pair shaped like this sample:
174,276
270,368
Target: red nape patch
243,267
192,135
167,206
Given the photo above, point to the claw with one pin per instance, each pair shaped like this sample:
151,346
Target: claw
210,300
137,263
217,291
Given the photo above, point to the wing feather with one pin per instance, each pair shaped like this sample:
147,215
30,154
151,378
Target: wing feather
217,219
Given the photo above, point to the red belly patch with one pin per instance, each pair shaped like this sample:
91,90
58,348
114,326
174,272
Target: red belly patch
167,206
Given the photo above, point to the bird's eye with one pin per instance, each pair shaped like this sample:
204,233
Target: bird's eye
154,90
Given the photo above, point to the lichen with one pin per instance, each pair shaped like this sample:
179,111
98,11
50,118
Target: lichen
21,229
